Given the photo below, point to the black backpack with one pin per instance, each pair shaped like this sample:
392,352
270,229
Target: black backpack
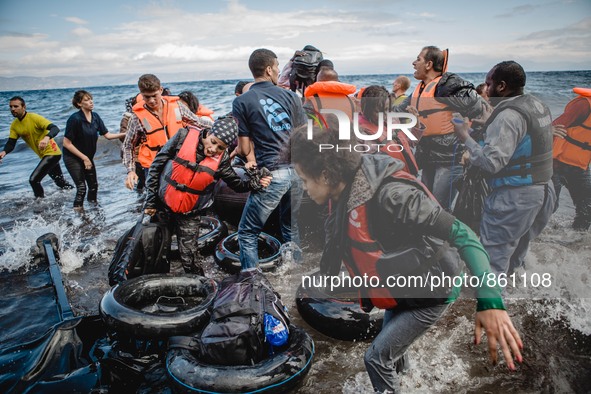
143,249
303,70
235,334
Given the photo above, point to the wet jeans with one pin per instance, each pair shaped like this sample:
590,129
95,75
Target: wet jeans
578,183
440,180
386,356
49,165
285,192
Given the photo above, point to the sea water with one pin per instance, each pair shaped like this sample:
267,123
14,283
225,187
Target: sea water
555,325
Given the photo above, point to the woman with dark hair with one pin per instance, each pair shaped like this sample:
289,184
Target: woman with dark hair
190,100
82,131
375,101
385,226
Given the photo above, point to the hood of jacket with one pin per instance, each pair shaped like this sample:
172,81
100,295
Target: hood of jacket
374,170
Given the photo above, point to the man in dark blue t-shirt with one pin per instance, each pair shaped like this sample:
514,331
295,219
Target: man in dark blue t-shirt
266,116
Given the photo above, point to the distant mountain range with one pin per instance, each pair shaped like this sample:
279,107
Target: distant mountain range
63,82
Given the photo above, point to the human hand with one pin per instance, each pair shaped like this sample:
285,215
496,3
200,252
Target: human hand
297,53
233,153
559,131
43,143
266,181
150,211
250,165
131,180
412,110
465,160
500,332
461,126
87,163
2,154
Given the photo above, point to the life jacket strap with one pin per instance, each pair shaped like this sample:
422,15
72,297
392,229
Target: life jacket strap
155,130
195,167
538,165
182,187
365,246
580,144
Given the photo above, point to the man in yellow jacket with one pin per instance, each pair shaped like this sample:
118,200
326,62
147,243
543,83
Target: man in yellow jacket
38,133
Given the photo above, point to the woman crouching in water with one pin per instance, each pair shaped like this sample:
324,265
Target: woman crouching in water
386,224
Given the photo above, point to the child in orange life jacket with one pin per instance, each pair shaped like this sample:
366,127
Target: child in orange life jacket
387,225
182,178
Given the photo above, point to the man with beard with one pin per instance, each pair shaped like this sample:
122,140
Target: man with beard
39,134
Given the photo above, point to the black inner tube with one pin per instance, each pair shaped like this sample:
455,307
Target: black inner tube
266,250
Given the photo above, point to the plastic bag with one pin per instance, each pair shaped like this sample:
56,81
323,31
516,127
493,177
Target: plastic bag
275,331
473,190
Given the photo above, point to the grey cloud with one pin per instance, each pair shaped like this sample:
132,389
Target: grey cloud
518,11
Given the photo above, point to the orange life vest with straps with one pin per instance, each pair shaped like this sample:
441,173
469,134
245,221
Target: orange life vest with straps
331,95
184,183
367,255
405,155
158,132
205,111
575,148
436,116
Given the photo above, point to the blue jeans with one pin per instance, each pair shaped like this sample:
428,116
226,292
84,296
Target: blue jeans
578,183
285,192
440,179
386,356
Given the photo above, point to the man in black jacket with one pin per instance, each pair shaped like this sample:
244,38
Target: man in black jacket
436,97
182,178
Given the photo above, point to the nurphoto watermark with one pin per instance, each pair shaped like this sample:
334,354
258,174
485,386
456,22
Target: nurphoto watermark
402,121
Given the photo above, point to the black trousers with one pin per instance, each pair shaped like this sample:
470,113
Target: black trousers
82,178
578,183
49,165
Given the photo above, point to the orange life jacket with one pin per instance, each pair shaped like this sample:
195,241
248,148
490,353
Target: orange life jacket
575,148
184,183
405,155
436,116
367,253
157,132
205,111
331,95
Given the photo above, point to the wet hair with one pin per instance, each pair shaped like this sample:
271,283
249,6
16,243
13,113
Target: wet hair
404,82
435,55
166,92
374,100
327,74
239,87
337,165
79,95
511,72
190,99
18,98
480,88
325,63
259,60
148,83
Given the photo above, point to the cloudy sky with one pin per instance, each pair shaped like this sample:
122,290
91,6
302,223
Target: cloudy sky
212,40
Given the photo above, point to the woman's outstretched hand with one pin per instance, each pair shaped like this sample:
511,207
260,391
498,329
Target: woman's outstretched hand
500,332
